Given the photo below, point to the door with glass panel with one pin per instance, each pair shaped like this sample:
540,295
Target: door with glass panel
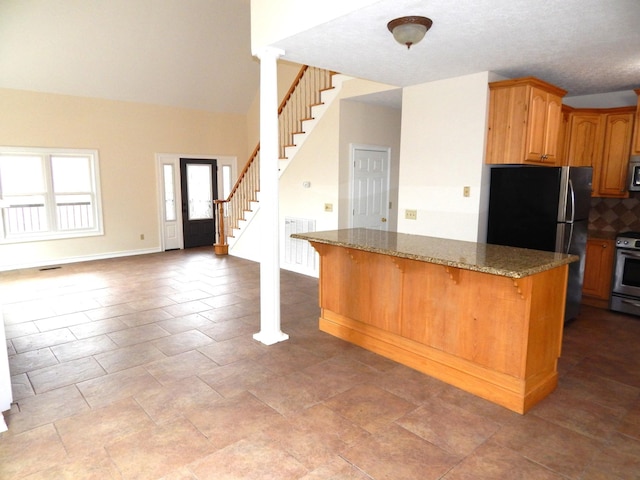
199,189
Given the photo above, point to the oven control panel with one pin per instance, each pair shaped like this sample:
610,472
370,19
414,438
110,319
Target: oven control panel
628,240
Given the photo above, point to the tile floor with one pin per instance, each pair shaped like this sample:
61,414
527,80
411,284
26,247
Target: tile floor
145,368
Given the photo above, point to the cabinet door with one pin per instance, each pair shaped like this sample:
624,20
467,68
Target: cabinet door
545,115
552,129
536,127
585,139
598,268
563,136
615,157
507,122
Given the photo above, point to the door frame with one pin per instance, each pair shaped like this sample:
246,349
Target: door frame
353,147
174,159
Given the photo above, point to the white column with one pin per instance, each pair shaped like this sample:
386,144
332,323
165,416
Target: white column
270,332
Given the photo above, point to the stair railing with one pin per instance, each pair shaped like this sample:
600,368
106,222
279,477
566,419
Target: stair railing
304,93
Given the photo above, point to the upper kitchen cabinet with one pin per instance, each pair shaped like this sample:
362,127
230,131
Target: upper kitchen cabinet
601,138
635,146
584,144
525,117
610,180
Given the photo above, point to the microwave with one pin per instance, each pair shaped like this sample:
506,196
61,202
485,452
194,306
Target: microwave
634,173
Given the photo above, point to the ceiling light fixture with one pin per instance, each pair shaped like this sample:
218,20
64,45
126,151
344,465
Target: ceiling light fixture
409,30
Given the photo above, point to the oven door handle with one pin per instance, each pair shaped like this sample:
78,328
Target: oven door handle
629,253
633,304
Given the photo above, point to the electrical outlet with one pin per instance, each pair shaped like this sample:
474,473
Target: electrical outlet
466,191
142,236
328,207
411,214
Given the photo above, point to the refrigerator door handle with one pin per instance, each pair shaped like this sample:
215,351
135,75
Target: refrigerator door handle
570,239
572,198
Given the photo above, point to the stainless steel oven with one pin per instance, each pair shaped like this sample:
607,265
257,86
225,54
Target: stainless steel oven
625,294
634,174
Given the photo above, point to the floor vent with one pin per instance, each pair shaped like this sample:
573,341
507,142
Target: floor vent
299,252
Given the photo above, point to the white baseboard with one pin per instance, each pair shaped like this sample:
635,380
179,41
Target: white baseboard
82,258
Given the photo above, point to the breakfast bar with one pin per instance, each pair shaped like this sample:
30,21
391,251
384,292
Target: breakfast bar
485,318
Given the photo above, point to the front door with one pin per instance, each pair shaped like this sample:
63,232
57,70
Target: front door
370,201
199,190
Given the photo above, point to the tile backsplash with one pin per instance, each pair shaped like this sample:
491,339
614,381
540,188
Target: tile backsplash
614,215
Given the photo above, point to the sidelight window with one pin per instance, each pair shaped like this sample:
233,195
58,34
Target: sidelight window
48,193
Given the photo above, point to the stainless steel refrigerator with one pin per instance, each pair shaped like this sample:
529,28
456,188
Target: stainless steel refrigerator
543,208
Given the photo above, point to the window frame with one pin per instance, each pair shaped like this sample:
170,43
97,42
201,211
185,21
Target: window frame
54,232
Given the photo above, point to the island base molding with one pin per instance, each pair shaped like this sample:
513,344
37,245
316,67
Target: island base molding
516,394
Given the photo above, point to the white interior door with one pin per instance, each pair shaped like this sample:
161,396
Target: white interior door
370,187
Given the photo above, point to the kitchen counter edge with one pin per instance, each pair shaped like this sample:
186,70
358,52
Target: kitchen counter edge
498,260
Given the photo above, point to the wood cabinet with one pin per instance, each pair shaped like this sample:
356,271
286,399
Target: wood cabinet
612,175
525,116
635,146
598,268
563,134
586,131
495,336
601,138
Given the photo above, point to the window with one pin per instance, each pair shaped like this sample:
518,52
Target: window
47,193
169,194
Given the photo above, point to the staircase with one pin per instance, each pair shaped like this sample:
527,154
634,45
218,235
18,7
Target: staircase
310,95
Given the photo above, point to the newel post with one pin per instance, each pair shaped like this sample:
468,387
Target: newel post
221,247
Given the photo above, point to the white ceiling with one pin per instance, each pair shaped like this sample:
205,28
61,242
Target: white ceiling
583,46
196,53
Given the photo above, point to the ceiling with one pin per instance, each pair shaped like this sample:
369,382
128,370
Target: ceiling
583,46
196,53
186,53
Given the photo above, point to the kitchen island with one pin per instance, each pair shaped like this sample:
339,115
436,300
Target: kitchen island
485,318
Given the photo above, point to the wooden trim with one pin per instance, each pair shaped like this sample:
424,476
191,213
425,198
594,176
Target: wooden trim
505,390
292,88
531,81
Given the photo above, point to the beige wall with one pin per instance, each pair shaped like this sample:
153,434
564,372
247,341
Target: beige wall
127,137
320,161
273,20
443,144
373,125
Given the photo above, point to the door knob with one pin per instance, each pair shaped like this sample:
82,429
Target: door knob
383,219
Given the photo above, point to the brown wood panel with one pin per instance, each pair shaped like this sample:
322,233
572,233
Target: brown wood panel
585,139
546,321
615,158
598,268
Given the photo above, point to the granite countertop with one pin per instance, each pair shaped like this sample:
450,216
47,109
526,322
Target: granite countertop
480,257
